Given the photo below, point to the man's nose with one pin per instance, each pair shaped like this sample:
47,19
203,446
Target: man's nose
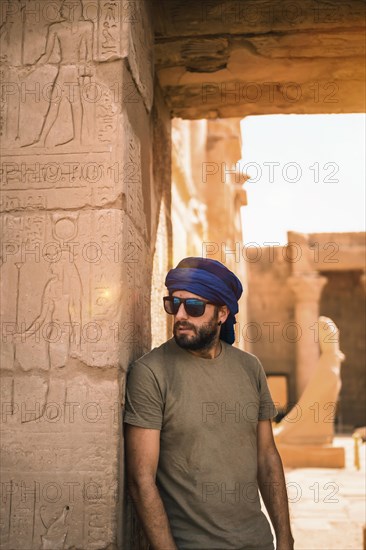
181,313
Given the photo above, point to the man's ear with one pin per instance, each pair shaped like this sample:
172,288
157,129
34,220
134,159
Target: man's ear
223,313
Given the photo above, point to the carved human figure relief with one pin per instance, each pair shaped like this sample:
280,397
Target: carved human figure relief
72,37
60,314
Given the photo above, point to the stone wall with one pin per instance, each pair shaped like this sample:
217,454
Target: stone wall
162,224
270,332
273,331
80,209
343,300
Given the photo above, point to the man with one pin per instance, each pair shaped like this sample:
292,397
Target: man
198,435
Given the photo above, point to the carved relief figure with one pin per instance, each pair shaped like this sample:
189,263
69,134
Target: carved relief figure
59,320
74,38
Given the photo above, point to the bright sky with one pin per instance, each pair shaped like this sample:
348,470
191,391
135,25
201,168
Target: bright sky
318,183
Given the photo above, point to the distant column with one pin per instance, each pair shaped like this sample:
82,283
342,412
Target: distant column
307,289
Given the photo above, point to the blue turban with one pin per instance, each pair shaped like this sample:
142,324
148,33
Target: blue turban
211,280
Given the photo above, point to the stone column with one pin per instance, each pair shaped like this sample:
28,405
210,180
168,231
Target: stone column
222,188
77,205
307,289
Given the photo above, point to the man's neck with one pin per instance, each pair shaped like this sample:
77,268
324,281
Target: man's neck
208,353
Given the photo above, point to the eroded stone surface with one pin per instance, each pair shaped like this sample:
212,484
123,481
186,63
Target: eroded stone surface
63,167
65,457
138,47
63,272
229,59
76,178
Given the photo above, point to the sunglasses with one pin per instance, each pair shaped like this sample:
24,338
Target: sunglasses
194,306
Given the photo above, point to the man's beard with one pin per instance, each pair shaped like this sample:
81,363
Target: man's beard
203,337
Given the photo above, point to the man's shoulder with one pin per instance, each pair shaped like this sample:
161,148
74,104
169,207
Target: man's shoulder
244,356
157,356
247,361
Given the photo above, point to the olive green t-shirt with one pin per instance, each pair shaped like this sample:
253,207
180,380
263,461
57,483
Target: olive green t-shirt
207,411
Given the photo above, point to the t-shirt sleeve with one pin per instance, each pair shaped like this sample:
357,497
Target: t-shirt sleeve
267,408
144,403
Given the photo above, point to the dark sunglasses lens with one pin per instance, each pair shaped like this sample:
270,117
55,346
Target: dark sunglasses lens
195,308
169,306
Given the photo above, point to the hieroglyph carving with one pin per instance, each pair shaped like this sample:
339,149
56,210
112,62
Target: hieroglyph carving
51,94
62,273
132,176
59,107
73,36
109,29
59,470
62,179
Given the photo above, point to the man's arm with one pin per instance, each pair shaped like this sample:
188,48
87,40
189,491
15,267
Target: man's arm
142,455
271,481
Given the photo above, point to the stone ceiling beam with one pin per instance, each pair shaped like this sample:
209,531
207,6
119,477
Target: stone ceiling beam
186,18
237,58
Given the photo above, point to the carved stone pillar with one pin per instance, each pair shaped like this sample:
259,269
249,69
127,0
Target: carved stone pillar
81,185
307,289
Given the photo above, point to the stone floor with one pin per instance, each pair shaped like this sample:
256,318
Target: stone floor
327,506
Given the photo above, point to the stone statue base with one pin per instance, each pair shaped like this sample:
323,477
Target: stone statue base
311,456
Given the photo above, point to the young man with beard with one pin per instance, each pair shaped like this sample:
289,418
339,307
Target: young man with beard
199,440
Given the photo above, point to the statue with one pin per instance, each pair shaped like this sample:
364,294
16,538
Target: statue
311,421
